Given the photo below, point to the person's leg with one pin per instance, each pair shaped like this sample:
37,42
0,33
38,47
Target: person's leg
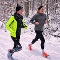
11,51
18,38
42,40
17,45
36,38
15,41
42,45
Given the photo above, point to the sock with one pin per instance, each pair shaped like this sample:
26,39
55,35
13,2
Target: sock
30,43
42,51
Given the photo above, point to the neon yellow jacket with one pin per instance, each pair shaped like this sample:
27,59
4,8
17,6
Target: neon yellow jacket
11,25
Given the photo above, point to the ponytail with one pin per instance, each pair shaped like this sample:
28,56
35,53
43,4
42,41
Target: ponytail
37,11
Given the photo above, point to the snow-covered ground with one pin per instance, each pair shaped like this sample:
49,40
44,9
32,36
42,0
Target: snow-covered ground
52,46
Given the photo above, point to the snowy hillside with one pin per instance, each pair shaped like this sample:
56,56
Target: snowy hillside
52,46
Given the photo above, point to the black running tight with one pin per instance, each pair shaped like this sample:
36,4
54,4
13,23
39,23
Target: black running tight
16,41
39,36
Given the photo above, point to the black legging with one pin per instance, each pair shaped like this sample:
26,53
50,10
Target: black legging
39,36
16,41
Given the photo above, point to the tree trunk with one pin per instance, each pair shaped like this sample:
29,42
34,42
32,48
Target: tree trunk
26,4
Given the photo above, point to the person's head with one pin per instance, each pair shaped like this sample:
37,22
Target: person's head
19,9
41,9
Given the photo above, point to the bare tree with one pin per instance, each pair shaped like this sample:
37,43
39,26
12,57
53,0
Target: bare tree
26,6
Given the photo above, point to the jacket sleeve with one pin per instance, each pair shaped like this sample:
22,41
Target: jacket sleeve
33,19
9,23
46,19
23,25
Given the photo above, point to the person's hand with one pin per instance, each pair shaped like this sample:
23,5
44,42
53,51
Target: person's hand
36,23
46,21
26,27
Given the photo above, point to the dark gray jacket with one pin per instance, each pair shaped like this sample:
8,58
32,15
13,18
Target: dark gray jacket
39,17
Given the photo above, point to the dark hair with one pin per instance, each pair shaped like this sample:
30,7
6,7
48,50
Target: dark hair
18,7
40,7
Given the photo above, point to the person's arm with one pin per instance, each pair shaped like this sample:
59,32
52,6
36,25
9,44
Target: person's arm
23,25
33,20
46,20
9,23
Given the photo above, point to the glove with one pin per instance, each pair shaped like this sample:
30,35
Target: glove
25,26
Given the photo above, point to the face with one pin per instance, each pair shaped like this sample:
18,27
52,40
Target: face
20,11
41,10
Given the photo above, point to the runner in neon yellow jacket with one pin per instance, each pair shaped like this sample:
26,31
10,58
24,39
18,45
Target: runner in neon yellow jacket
14,25
11,25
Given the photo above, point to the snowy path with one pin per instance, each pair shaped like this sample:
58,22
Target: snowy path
52,47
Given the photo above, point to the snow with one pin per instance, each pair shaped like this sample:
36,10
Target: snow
52,46
0,24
